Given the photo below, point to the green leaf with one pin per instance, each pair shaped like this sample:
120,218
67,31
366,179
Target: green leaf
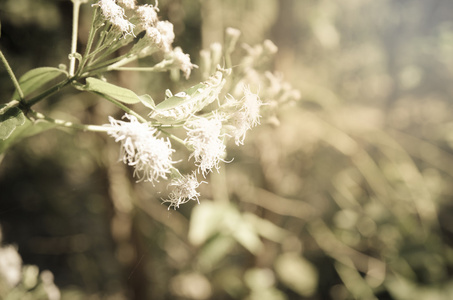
36,78
266,228
147,101
214,250
244,233
9,120
211,218
118,93
204,222
297,273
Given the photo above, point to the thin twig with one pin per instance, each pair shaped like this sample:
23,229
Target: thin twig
12,76
75,26
68,124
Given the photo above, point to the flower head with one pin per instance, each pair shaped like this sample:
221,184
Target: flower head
150,156
165,29
246,116
182,61
185,189
116,16
110,9
162,35
147,16
205,138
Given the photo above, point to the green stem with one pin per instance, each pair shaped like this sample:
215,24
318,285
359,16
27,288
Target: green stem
102,66
48,92
228,63
122,62
75,26
100,44
12,76
105,66
139,69
109,45
123,107
91,35
99,49
11,104
159,125
63,123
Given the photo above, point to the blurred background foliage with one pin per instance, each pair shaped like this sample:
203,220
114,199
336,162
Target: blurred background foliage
346,196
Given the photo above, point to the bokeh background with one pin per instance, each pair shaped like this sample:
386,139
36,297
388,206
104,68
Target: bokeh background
347,196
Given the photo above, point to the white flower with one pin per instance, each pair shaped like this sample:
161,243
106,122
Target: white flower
246,117
123,25
115,15
147,15
251,106
233,32
231,38
162,35
182,61
205,138
110,9
185,189
149,155
168,36
10,265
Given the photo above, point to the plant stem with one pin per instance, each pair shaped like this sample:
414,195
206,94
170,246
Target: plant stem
99,48
110,45
101,66
68,124
122,62
105,67
12,76
11,104
48,92
139,69
75,26
91,35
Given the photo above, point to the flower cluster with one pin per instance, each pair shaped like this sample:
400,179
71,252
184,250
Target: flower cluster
115,14
206,137
127,18
210,113
150,156
206,115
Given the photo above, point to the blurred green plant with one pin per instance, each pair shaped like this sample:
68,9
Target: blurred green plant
345,196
